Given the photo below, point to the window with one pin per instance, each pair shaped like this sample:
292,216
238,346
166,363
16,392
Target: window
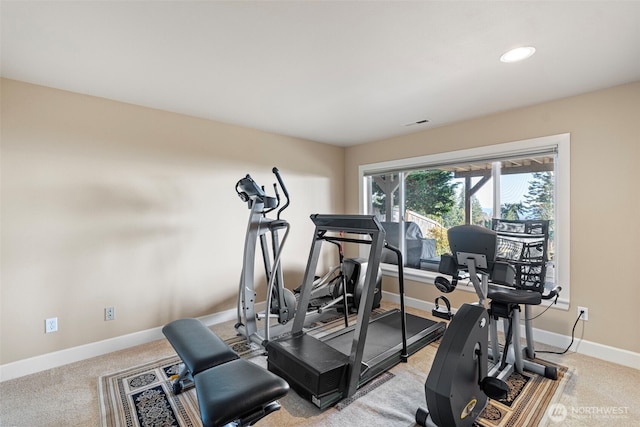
523,180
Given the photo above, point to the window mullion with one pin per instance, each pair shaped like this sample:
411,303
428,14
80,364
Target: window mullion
495,174
402,213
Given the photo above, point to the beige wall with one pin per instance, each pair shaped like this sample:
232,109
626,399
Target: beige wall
605,200
110,204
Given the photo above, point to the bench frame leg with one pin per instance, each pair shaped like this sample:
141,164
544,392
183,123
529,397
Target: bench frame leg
183,381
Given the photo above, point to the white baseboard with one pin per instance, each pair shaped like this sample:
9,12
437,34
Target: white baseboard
35,364
588,348
43,362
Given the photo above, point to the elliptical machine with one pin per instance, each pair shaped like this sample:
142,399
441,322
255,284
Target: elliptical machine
339,289
458,385
280,301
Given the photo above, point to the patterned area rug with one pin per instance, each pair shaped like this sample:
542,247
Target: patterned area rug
142,396
527,401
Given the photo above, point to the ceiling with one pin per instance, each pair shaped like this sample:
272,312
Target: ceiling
337,72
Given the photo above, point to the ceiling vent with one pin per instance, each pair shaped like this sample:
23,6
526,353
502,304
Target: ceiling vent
419,122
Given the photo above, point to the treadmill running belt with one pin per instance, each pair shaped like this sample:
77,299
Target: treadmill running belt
383,334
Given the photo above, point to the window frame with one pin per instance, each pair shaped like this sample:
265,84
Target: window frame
560,143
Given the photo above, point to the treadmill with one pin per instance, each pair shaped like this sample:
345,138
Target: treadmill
328,369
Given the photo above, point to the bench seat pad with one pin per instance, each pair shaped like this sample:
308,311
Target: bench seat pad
234,390
514,296
198,347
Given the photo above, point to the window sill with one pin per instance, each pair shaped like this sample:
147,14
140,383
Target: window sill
428,277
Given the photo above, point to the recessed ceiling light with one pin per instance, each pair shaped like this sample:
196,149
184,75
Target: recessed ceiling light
518,54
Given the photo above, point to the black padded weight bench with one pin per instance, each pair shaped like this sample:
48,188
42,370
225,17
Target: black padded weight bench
198,347
230,390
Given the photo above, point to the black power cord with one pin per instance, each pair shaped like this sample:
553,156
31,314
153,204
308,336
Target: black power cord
555,301
572,336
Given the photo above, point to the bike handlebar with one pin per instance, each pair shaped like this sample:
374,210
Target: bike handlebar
553,293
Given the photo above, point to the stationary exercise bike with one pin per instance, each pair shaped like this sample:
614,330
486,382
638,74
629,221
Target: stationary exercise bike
458,385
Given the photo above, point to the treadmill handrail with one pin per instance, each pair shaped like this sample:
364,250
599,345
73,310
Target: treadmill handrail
405,354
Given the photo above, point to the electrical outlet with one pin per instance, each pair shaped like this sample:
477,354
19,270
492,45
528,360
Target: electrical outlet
109,313
51,325
585,313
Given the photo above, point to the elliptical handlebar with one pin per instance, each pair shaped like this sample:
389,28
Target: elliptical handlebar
276,172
